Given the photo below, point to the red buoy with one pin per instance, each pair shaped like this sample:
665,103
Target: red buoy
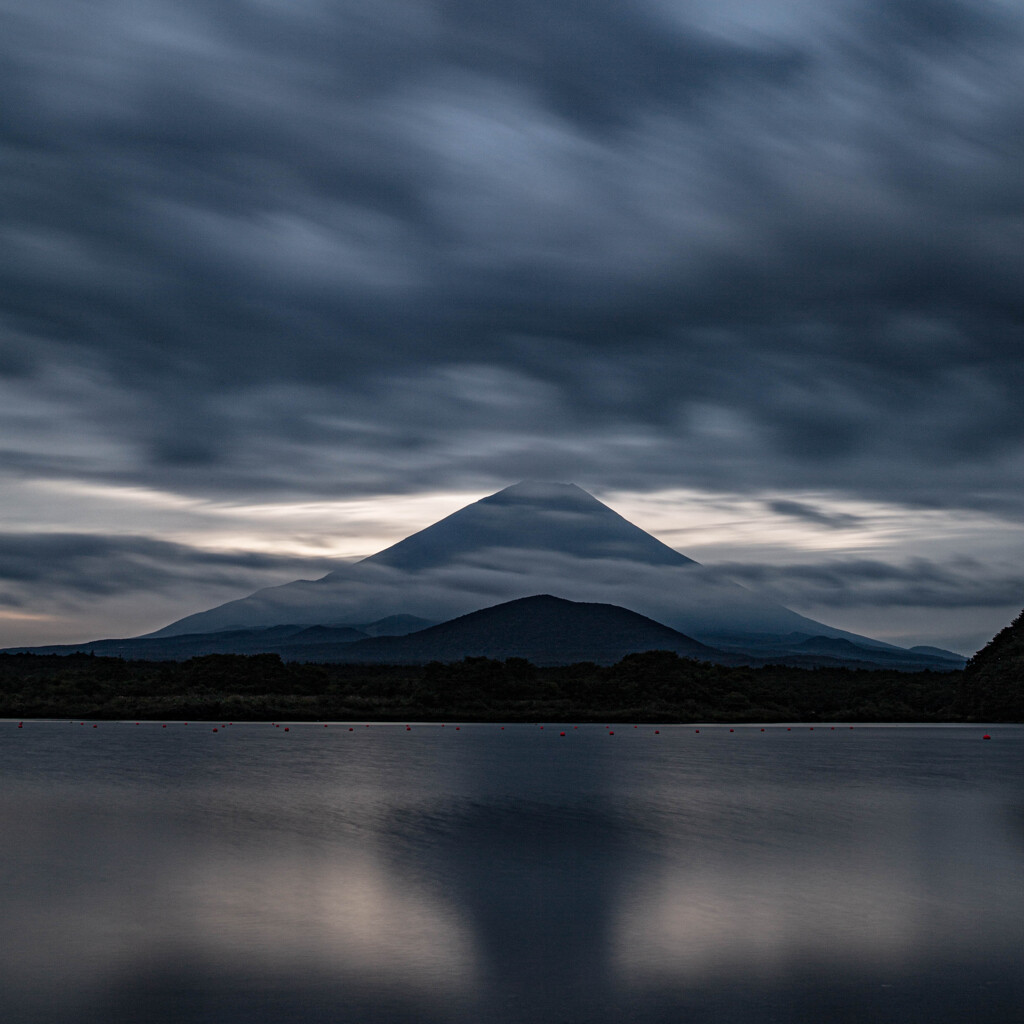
561,734
610,732
657,732
286,728
986,737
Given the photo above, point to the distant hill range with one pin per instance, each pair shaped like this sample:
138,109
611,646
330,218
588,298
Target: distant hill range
544,630
538,570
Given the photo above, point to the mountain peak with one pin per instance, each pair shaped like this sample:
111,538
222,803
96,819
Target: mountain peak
540,491
530,516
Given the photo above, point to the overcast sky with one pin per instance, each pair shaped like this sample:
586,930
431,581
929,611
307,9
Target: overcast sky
283,280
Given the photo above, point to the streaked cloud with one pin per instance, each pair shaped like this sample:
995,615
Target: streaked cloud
269,255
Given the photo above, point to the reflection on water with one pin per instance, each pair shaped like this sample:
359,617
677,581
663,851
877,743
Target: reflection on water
510,875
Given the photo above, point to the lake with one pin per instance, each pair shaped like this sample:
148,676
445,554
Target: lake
433,874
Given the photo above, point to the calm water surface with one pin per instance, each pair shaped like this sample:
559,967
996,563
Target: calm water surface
434,875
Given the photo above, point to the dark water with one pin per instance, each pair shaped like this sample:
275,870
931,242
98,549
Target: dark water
435,875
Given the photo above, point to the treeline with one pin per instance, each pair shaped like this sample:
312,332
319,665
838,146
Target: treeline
655,686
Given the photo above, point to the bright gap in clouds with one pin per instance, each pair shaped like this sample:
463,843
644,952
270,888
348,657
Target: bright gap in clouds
709,527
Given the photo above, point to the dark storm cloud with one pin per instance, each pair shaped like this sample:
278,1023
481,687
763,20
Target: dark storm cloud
342,248
810,514
920,583
83,565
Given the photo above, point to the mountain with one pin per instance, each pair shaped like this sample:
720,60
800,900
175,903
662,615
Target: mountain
528,539
543,629
939,652
276,639
529,516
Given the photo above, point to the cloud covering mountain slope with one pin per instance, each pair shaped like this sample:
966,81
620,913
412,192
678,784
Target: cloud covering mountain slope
530,538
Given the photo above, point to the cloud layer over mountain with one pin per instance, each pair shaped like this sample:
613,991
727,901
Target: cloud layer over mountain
261,250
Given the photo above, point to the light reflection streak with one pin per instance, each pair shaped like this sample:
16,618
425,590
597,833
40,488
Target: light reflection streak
810,878
340,913
138,893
